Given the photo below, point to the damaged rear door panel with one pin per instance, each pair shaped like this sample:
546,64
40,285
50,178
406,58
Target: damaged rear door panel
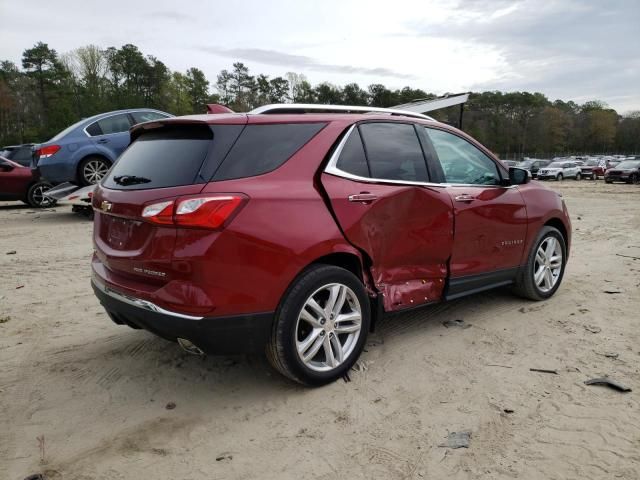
384,209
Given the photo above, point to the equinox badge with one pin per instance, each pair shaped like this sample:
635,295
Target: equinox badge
106,206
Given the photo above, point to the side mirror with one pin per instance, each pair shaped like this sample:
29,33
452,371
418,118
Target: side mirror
518,176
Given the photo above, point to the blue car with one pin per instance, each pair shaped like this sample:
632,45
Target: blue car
84,152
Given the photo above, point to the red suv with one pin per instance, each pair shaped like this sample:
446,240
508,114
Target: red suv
292,230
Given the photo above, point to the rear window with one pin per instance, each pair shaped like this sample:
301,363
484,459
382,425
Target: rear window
22,156
352,158
263,148
166,157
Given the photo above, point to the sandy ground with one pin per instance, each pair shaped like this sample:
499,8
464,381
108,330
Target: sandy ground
82,398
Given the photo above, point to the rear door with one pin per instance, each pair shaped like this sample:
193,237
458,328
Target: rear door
490,219
378,184
111,133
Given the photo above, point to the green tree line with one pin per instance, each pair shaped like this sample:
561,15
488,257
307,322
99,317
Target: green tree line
49,92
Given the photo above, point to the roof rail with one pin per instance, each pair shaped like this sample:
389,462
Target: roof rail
304,107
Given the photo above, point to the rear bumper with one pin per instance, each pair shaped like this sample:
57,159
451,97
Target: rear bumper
617,178
57,170
247,333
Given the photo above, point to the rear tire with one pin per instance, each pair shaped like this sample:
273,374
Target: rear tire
594,177
578,177
309,343
635,179
541,276
92,170
36,198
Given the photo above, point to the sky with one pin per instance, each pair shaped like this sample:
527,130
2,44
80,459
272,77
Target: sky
572,50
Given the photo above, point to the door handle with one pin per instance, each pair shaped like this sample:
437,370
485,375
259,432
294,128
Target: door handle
464,197
103,140
363,197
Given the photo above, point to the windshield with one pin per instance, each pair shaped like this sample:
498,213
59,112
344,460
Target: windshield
555,165
628,164
526,164
591,163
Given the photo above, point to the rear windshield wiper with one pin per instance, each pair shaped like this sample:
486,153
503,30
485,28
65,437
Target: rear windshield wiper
130,180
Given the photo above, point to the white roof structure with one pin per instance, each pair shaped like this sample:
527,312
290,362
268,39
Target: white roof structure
424,106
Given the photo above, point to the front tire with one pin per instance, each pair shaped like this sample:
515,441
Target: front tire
594,176
321,326
559,177
578,177
36,198
541,276
92,170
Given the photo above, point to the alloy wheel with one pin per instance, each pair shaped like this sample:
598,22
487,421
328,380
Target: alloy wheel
39,197
94,171
548,264
328,327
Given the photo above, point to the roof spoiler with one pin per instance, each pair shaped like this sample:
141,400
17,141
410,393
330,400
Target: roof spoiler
213,108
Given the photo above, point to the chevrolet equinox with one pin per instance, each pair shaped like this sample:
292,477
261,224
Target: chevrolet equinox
292,228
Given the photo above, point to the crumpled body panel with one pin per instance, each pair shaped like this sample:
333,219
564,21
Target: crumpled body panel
407,233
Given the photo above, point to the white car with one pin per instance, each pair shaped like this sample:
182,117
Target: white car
559,171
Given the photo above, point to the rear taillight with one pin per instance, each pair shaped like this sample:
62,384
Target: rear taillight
159,212
46,152
202,211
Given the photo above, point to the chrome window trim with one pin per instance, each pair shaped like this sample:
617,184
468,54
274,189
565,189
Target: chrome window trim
138,302
332,169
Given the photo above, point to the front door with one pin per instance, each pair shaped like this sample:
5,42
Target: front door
490,219
385,209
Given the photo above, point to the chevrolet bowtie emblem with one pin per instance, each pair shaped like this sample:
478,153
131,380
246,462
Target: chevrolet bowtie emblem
106,206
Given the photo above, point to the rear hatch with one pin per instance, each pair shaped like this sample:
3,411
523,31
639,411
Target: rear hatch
166,160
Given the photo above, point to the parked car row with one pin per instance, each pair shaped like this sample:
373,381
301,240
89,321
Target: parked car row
80,154
579,167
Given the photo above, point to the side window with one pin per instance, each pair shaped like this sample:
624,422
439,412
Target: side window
461,161
94,129
352,159
139,117
394,152
263,148
115,124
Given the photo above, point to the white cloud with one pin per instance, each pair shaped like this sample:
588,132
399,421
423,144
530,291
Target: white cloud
569,49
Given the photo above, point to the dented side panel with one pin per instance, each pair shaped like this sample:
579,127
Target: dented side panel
407,233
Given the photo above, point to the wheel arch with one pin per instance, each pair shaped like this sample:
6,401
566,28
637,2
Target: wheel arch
558,224
354,261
